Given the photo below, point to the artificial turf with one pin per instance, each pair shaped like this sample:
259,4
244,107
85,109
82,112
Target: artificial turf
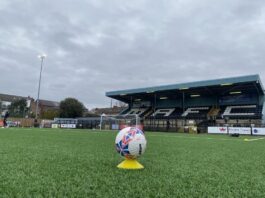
82,163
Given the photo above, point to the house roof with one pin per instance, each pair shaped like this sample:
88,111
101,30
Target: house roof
49,103
10,98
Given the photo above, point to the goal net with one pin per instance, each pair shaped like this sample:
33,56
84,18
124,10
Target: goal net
118,122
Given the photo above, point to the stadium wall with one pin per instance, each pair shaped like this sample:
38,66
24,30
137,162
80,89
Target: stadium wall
239,99
207,101
168,103
189,102
201,101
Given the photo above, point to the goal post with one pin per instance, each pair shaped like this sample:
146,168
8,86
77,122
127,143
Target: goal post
117,122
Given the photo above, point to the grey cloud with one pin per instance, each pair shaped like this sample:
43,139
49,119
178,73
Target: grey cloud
96,46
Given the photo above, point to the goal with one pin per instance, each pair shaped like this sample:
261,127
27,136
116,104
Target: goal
118,122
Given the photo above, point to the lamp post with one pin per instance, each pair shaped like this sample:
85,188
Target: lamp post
41,57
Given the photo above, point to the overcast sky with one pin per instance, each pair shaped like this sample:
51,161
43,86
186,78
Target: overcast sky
94,46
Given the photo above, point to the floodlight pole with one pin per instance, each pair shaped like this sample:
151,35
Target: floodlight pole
42,57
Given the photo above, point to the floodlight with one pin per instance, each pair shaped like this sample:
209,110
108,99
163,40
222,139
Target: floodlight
226,84
42,56
163,98
184,88
195,95
235,92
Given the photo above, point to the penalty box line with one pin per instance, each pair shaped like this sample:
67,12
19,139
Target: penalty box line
250,140
204,138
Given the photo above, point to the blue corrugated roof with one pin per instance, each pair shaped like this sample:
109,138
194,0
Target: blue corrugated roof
232,80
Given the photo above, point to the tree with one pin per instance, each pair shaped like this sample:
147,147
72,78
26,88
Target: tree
91,114
18,108
71,108
50,114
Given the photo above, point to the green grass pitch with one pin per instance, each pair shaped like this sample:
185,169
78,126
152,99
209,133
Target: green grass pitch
82,163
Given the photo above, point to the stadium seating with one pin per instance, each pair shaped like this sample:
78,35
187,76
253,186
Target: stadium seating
176,113
148,113
196,112
163,112
125,111
139,111
214,112
200,113
242,112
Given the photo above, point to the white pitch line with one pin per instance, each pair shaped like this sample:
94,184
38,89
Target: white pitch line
208,138
249,140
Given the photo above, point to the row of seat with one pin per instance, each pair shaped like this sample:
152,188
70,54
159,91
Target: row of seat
242,111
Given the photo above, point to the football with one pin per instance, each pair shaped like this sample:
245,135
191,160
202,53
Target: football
130,142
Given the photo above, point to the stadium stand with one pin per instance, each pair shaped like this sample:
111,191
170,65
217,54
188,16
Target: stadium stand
196,112
244,110
138,112
228,101
163,112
